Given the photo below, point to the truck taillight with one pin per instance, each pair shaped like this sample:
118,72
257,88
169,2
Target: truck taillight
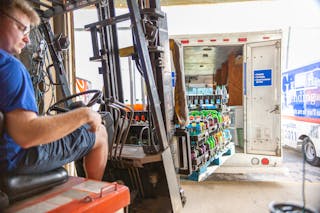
200,40
265,37
213,40
226,39
242,39
184,41
265,161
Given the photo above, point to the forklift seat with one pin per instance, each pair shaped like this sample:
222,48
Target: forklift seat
16,187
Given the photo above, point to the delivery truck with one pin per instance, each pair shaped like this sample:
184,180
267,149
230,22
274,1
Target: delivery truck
248,65
301,110
270,104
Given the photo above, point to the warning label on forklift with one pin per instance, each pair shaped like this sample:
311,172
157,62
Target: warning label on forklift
262,77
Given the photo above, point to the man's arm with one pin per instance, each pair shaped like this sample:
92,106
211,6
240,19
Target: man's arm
28,129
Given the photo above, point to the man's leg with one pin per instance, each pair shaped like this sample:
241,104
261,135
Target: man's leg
96,160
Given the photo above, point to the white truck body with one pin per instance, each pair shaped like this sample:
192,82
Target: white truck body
261,91
301,110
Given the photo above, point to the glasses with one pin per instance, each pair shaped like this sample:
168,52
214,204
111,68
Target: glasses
23,28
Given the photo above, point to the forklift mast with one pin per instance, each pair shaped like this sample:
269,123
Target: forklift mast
147,169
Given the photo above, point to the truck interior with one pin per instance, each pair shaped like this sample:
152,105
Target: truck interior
207,67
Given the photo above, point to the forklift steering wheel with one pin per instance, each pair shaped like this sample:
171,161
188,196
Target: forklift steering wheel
97,96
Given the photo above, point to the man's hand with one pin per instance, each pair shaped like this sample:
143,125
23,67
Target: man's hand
94,120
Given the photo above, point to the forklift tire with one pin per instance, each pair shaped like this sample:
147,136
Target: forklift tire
310,153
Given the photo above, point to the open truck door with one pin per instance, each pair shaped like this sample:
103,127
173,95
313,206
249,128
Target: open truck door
262,95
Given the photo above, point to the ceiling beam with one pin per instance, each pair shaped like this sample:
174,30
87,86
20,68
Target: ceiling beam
122,3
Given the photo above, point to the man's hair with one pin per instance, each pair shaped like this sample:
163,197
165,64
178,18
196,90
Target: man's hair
22,5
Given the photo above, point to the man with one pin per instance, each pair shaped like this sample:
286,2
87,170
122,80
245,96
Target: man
33,143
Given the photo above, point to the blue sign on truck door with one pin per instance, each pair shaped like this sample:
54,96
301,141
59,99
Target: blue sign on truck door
262,77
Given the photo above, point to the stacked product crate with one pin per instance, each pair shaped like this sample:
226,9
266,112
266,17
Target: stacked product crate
210,137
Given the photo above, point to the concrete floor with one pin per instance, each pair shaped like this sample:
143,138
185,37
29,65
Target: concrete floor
245,196
251,190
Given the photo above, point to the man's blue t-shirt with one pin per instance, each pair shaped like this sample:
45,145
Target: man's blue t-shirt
16,92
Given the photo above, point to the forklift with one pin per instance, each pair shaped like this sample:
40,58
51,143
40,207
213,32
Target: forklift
142,155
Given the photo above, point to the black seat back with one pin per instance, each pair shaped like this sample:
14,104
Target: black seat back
16,187
1,123
4,201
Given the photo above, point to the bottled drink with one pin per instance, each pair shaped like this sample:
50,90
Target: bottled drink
198,128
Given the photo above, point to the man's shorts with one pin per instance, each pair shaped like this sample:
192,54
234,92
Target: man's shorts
50,156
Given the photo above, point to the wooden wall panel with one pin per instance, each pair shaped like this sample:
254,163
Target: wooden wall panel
235,78
224,73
